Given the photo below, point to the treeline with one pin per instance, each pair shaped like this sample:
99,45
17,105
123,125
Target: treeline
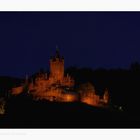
123,84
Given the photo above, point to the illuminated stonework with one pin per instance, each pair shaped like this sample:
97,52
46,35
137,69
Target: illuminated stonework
106,96
58,87
17,90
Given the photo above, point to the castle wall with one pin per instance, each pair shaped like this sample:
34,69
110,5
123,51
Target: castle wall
106,96
91,100
57,69
67,81
67,97
17,90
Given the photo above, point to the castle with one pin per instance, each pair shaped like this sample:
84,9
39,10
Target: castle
56,86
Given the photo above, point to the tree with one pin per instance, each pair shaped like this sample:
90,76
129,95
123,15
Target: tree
86,88
135,66
2,106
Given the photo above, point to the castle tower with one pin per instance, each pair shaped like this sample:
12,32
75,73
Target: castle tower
106,96
57,66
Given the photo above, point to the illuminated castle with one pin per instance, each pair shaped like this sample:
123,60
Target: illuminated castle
58,87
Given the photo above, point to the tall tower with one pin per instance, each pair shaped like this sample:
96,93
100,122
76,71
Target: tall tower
57,66
106,96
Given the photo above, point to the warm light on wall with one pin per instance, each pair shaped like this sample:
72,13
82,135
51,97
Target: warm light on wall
90,100
87,100
17,90
70,98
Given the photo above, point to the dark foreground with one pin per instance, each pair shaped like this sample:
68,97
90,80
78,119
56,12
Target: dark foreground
26,113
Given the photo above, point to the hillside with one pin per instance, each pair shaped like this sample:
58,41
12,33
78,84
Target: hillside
23,112
6,83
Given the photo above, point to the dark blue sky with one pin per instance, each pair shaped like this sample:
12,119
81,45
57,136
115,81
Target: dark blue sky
97,39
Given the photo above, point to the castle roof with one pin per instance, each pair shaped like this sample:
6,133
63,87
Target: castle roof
57,55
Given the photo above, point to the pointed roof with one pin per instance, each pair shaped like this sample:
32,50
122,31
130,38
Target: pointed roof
57,54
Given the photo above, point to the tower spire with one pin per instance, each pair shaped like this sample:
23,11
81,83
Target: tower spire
57,49
57,52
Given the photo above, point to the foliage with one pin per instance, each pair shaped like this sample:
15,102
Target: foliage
86,87
2,106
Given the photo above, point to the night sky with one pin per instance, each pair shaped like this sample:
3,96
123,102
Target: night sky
95,40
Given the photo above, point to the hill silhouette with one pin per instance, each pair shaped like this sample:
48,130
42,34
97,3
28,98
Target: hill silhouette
23,112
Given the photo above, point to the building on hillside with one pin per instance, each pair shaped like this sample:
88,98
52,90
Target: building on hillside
57,86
